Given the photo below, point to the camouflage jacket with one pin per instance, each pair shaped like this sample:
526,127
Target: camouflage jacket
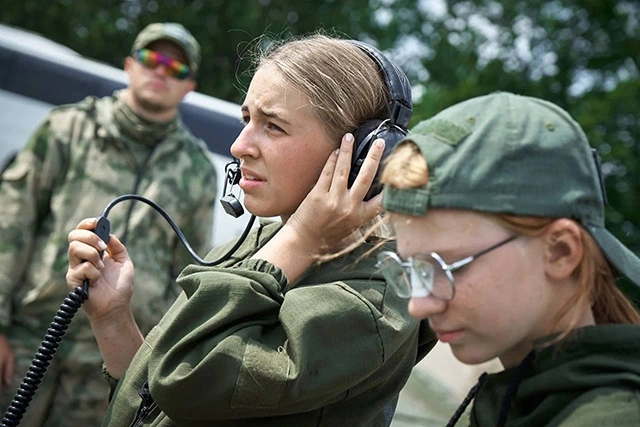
240,347
71,168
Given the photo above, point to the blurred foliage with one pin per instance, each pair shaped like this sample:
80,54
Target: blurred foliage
105,29
583,55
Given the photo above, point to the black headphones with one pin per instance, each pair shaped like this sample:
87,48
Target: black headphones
391,129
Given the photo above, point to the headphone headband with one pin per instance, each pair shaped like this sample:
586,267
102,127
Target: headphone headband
400,106
392,128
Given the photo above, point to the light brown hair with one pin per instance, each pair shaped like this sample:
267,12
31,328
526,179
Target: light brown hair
342,83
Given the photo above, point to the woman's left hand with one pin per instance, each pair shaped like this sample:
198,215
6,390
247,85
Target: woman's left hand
331,211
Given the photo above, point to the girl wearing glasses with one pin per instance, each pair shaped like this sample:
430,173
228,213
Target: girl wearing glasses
270,337
498,205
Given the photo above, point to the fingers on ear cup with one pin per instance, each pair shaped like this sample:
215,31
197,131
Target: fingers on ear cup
364,136
391,135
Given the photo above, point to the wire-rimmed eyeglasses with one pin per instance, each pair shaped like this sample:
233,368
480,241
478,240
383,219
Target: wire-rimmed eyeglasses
425,274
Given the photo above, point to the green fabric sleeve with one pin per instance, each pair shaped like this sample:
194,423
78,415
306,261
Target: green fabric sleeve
197,222
112,382
257,353
25,193
615,409
198,226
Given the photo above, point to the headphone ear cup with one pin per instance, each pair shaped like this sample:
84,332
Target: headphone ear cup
363,138
391,135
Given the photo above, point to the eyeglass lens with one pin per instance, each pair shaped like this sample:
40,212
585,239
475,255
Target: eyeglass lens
420,277
394,273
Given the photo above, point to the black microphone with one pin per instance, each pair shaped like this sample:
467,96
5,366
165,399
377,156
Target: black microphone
229,202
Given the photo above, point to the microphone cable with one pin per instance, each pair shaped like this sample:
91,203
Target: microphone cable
75,299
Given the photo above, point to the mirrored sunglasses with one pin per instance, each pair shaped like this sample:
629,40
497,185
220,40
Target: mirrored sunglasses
151,59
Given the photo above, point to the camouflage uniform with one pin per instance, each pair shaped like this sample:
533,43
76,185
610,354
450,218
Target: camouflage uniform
79,160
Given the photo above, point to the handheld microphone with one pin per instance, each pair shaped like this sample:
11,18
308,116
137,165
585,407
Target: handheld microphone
229,201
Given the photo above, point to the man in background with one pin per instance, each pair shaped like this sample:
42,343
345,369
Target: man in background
82,157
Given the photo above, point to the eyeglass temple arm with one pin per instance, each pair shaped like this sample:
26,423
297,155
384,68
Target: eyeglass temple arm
459,264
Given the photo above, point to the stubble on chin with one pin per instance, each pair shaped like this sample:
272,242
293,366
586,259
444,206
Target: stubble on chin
152,106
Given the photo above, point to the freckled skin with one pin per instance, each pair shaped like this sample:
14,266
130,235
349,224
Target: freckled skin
502,301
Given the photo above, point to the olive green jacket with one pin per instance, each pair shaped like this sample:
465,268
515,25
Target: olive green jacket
241,347
590,379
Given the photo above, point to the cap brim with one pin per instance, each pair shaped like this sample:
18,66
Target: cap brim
625,261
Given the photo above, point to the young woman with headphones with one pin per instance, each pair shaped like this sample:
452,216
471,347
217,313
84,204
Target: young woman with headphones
271,336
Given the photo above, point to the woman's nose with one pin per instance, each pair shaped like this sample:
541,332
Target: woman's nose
245,144
421,308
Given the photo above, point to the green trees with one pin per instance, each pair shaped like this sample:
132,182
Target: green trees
105,29
583,55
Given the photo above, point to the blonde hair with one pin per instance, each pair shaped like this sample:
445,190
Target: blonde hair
343,84
407,168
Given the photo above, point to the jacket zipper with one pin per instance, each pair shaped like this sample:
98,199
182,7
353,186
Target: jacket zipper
146,406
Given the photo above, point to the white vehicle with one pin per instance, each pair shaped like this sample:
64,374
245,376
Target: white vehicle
37,74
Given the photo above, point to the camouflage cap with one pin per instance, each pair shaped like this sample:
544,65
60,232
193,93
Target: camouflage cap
173,32
505,153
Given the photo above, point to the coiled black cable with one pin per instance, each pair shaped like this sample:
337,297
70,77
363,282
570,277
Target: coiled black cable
72,303
47,349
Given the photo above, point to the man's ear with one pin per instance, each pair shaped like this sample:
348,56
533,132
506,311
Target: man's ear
563,248
127,63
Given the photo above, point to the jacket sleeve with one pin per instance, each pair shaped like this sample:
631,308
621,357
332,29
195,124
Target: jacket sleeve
197,225
25,193
239,348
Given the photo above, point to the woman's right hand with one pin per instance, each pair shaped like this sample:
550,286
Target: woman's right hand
110,278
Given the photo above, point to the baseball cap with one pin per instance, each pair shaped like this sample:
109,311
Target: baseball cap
173,32
512,154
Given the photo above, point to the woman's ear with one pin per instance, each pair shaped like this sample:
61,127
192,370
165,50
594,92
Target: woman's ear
563,248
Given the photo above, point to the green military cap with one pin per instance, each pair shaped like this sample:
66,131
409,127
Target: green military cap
512,154
175,33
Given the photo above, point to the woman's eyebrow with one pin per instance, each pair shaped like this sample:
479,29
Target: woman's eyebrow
266,113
